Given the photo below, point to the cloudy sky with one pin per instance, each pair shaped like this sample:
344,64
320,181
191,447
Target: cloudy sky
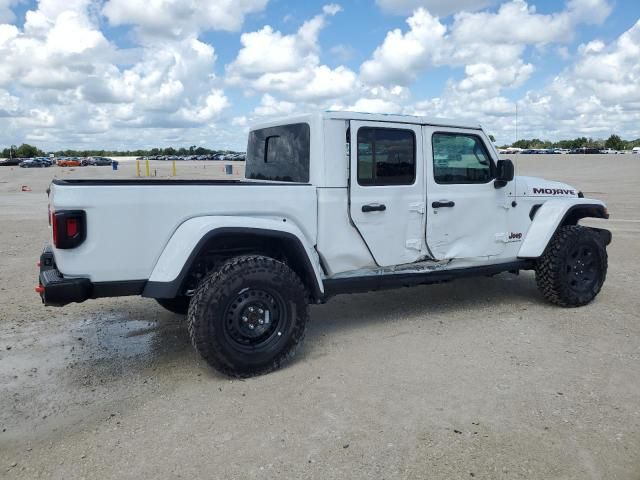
141,73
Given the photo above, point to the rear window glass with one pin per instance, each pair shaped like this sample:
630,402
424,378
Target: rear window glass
279,153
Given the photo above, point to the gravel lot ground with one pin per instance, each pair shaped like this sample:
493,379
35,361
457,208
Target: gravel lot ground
477,378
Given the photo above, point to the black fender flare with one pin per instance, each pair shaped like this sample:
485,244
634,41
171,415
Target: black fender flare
575,213
171,289
586,210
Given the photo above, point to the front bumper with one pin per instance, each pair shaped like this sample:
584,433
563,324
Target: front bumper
54,289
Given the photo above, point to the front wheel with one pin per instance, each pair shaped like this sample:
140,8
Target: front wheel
248,317
573,268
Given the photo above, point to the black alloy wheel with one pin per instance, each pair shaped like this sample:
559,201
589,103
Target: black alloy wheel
583,269
254,318
573,268
249,316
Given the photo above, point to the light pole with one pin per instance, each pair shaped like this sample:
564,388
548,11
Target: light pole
516,121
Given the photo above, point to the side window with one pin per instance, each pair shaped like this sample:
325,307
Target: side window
460,158
279,153
386,156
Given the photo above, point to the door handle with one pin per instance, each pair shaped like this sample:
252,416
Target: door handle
374,208
443,203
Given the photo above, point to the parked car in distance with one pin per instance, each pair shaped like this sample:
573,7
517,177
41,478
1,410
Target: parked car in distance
635,150
234,156
586,151
69,162
501,151
29,163
97,162
35,163
11,162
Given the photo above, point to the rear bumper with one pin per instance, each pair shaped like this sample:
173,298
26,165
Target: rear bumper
54,289
57,291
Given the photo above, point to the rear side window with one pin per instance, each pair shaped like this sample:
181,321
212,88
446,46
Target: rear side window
460,158
279,153
386,156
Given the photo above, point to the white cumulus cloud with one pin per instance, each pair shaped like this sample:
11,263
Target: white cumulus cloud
402,55
63,81
496,38
269,106
598,94
270,61
178,18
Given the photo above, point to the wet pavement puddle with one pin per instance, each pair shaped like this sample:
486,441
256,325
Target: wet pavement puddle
60,371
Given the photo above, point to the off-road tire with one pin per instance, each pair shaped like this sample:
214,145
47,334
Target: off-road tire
179,305
559,277
217,320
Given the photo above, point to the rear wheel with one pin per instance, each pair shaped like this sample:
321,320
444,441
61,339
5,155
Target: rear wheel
573,268
248,317
178,305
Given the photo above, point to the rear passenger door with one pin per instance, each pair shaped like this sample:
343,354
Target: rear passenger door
387,191
466,214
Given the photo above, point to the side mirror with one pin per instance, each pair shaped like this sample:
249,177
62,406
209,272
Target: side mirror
504,174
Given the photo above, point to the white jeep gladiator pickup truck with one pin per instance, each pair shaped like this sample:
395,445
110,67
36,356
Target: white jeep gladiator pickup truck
333,202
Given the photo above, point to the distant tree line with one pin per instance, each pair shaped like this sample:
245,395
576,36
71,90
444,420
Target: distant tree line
29,151
614,142
23,151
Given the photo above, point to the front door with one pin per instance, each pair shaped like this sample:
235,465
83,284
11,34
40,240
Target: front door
387,191
466,214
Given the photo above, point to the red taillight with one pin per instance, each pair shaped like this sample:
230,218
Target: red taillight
69,228
72,227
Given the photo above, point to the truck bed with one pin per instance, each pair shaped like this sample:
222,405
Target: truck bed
129,222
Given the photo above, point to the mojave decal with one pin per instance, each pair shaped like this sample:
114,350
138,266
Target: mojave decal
553,191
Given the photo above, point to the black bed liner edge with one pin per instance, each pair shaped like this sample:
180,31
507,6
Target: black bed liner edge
152,182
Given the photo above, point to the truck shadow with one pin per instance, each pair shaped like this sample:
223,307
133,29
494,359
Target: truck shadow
146,338
484,296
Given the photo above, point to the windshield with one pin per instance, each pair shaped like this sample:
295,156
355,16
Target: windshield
279,153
